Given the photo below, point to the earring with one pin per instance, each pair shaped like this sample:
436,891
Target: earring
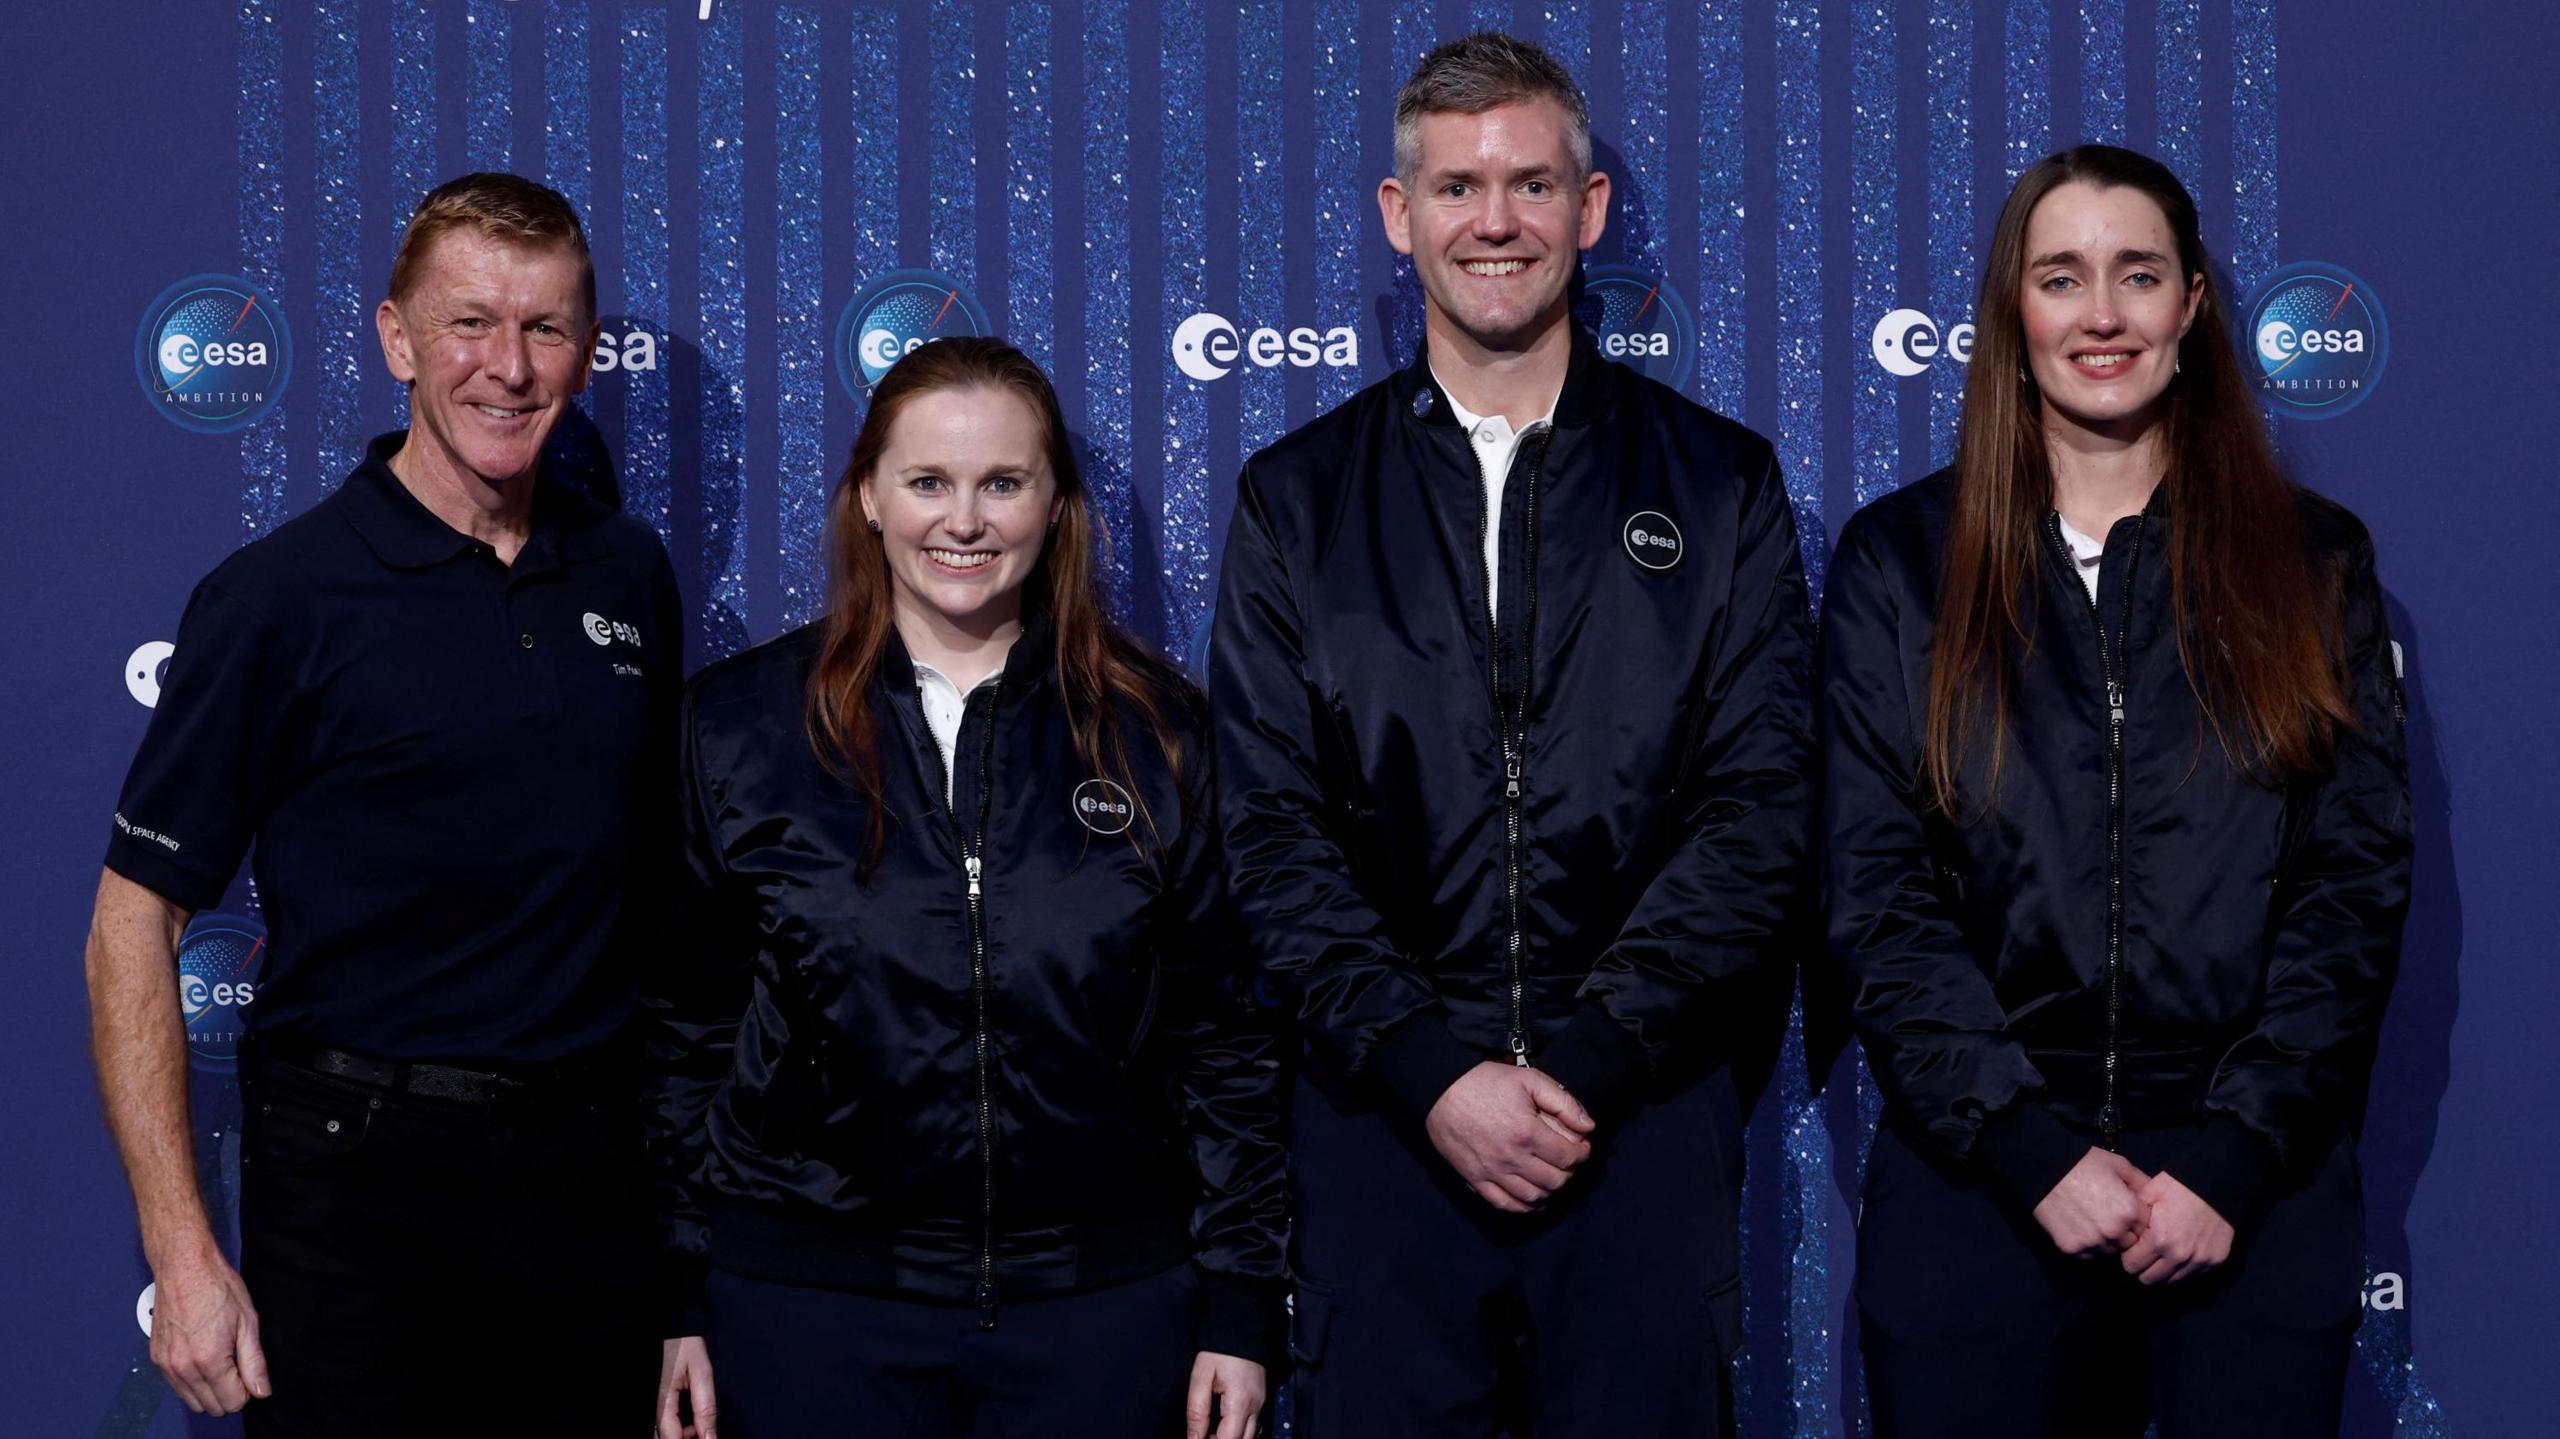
874,524
2177,367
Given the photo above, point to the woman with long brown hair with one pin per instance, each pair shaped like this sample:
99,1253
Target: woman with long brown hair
2117,837
964,1121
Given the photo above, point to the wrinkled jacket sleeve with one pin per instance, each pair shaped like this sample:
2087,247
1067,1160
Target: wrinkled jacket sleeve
1227,1049
692,999
1934,1029
2293,1082
1364,1012
1686,966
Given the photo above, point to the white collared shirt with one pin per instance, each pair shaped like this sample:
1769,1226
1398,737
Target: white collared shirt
943,706
1494,443
2085,552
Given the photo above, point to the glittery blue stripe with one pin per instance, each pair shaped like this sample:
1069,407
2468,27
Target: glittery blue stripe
413,132
1107,281
720,149
2180,87
1722,359
1568,37
644,261
1799,440
1875,237
1188,563
2382,1339
492,107
2029,76
262,456
952,31
799,322
340,315
1416,30
565,151
1952,287
879,135
1644,134
2253,140
1341,190
1030,215
1262,249
2102,82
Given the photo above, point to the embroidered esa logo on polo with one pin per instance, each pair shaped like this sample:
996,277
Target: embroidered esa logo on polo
1652,540
1104,807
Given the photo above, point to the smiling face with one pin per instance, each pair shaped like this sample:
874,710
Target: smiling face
1495,219
2102,306
493,339
963,496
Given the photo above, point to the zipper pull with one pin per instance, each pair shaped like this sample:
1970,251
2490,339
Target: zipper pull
986,1306
1511,779
1519,1051
972,864
2115,701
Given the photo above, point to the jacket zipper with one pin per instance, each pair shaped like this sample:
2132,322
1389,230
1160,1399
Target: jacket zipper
973,870
2111,671
1511,727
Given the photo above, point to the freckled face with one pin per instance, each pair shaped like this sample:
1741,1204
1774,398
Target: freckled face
2103,307
964,496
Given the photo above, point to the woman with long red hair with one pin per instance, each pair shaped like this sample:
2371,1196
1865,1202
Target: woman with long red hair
965,1123
2117,834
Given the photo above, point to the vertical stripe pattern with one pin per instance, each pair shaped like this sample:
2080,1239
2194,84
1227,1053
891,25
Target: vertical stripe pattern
799,322
263,459
2102,98
1189,567
1952,286
1032,282
340,316
487,25
1720,300
720,146
645,437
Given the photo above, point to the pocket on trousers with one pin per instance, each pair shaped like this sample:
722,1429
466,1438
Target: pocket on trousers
297,1126
1310,1321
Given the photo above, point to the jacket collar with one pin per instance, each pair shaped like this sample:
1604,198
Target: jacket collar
1031,656
1587,381
406,535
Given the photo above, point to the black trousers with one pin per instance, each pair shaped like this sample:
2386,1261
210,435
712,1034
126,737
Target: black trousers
1423,1312
1975,1327
433,1267
790,1362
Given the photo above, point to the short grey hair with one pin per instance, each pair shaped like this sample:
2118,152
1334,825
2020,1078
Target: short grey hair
1474,74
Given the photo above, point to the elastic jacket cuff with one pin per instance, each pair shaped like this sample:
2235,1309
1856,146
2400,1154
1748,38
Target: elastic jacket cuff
1416,1061
2026,1150
2231,1168
1597,1061
1247,1318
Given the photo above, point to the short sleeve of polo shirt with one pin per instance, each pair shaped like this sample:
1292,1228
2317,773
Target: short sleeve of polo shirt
191,801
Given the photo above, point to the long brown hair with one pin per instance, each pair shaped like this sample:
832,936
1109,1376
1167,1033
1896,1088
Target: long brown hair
2255,619
1099,665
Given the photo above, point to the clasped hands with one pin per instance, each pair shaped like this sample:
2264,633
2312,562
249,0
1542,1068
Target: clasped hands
1512,1132
2161,1230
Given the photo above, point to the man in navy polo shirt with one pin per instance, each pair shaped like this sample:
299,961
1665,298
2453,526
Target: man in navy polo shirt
438,709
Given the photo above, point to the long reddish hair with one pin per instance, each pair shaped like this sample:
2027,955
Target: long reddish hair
1099,665
2255,617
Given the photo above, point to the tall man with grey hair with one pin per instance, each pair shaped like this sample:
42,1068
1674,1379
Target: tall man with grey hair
1513,737
439,705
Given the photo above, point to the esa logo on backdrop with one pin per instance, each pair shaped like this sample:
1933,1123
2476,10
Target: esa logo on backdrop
1908,342
1639,319
1209,346
2319,338
896,314
219,960
213,354
143,670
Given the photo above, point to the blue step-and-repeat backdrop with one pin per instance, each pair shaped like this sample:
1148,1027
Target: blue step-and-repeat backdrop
1170,206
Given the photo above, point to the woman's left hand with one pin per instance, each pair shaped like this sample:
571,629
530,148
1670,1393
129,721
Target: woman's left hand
1238,1385
2184,1238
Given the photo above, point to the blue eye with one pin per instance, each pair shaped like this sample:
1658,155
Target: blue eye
930,484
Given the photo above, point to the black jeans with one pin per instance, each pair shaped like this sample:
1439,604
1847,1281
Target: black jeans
1973,1326
431,1266
791,1362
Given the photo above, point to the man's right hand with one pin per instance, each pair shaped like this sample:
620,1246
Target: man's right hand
2097,1208
204,1335
1512,1133
684,1368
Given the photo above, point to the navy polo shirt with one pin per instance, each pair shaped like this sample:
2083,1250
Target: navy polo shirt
455,774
